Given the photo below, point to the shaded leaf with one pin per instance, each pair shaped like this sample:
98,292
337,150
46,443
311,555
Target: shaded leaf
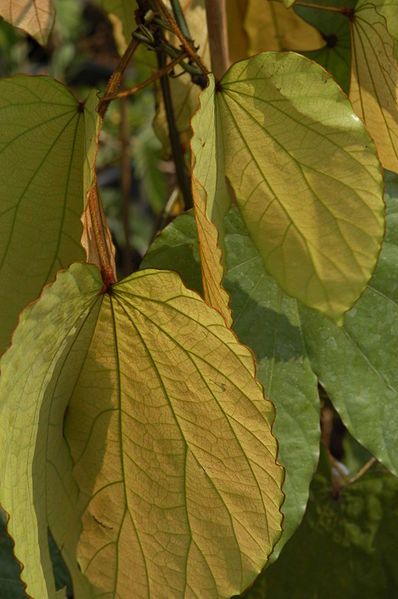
306,177
345,547
356,363
47,148
237,34
36,17
165,418
11,586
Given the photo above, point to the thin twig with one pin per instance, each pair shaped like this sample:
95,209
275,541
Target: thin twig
116,78
125,168
185,43
340,9
217,26
154,77
178,155
362,471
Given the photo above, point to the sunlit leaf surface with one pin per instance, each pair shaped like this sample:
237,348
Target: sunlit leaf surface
36,17
165,420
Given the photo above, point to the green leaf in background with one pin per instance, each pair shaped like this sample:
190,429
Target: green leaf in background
11,586
335,55
36,17
121,12
165,418
356,363
47,147
306,176
345,547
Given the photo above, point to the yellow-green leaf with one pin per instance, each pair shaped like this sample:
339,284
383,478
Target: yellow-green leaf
165,419
47,148
306,176
38,373
36,17
374,76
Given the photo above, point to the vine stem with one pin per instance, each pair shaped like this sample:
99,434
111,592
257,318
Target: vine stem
116,78
175,142
154,77
342,9
185,43
362,470
216,14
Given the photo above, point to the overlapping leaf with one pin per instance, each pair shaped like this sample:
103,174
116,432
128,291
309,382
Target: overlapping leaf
47,148
306,176
122,11
357,362
36,17
165,419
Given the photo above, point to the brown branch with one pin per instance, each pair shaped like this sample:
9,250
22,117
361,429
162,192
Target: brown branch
217,26
116,78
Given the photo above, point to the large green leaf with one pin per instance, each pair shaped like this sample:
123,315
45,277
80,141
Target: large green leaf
165,418
47,146
306,176
345,547
356,363
36,17
269,323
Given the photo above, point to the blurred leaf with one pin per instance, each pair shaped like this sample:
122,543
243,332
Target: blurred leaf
237,35
35,17
345,546
47,146
122,11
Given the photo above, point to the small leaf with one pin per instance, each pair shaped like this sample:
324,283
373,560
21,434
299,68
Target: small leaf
165,419
36,17
47,149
